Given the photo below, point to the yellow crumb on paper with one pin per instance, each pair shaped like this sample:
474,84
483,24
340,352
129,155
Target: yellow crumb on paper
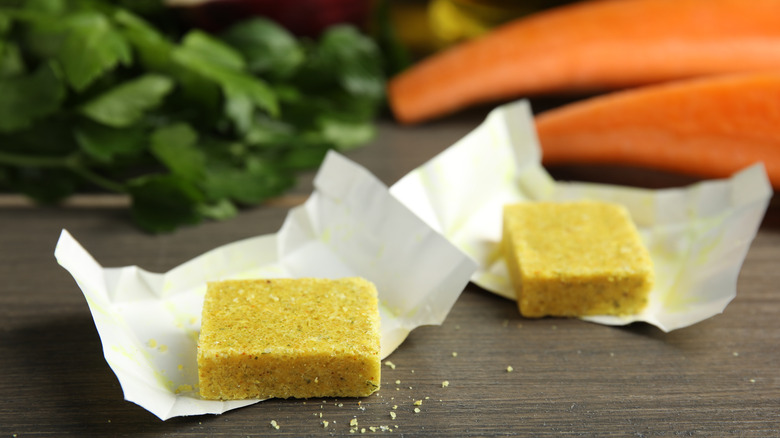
274,424
445,383
353,422
509,369
454,354
183,388
417,410
390,364
392,415
325,424
418,402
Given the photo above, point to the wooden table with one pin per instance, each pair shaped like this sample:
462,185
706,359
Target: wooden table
720,377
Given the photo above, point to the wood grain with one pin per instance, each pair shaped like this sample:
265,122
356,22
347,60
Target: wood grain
720,377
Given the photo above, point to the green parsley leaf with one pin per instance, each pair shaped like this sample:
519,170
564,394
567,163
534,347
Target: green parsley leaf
345,133
220,210
348,59
11,63
176,147
206,47
28,98
310,152
91,48
126,103
155,53
213,60
267,47
240,109
256,181
356,56
52,7
5,24
107,144
153,49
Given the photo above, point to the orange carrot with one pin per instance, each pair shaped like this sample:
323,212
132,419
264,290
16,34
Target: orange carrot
706,127
592,46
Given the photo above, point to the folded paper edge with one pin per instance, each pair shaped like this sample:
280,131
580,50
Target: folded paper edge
328,186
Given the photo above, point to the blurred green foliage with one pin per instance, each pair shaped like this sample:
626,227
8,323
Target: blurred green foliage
118,96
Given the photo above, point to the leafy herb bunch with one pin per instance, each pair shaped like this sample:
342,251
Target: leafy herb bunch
192,126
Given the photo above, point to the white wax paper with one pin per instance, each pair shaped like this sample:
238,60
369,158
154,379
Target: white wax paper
697,236
350,226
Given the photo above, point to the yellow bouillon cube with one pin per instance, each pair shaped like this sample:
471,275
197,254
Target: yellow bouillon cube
575,259
289,338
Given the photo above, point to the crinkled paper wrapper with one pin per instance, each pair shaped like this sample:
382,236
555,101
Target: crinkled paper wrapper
697,236
350,226
418,242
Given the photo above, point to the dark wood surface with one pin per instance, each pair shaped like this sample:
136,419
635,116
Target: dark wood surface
720,377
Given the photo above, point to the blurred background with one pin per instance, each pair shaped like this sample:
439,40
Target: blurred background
194,109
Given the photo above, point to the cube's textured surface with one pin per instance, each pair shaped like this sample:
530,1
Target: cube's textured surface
289,338
575,259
